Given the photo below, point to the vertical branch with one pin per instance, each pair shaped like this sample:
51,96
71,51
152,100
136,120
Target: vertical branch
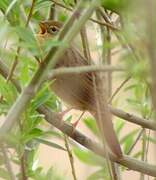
142,175
52,12
108,61
23,166
88,56
151,32
106,58
85,44
151,46
71,159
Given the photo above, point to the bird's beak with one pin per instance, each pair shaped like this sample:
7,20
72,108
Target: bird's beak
42,28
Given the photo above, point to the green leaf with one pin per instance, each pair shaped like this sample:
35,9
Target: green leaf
91,124
25,73
51,144
88,157
99,175
41,5
119,124
34,133
28,40
10,7
128,140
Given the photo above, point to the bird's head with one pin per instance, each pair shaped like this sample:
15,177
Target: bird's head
49,28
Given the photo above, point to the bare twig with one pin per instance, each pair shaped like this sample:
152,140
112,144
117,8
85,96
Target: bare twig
23,166
151,44
150,124
135,142
118,89
70,155
84,69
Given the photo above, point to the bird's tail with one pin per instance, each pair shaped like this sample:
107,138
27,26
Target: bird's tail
107,132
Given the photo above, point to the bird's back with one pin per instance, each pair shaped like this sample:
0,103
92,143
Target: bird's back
74,89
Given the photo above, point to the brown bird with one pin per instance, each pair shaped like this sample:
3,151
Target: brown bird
76,89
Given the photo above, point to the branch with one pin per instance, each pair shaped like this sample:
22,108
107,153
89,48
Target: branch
149,124
83,69
54,119
66,35
131,163
151,44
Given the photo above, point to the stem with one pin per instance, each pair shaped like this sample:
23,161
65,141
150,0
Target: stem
23,167
71,159
142,175
84,69
118,89
135,142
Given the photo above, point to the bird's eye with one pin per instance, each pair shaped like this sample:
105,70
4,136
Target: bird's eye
53,29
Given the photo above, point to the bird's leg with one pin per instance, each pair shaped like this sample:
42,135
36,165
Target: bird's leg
77,121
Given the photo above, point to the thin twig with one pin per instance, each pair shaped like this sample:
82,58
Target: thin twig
70,155
23,167
118,89
84,69
135,142
142,175
121,38
149,124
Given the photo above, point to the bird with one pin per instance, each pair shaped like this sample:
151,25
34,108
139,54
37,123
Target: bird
76,90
